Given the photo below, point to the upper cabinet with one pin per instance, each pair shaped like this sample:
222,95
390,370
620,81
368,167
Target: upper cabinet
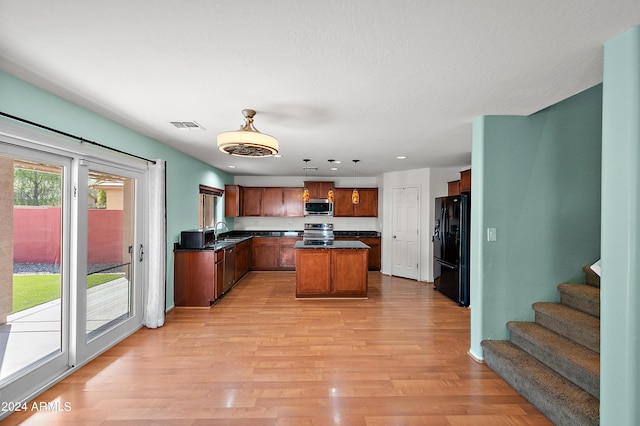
318,189
456,187
232,200
263,201
287,201
293,205
344,207
465,180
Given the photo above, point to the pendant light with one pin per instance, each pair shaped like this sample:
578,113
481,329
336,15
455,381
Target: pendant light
355,195
330,194
305,191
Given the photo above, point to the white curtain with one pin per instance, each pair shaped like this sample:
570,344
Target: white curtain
154,308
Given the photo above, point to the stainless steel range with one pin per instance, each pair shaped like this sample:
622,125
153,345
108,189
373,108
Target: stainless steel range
318,234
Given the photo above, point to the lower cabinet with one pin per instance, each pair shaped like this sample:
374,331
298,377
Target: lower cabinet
273,254
200,277
375,253
195,278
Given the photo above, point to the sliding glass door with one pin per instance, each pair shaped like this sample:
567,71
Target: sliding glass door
71,261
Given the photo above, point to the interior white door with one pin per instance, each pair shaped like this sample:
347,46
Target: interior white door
405,232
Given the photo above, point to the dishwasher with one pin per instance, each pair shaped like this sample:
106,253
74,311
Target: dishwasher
229,268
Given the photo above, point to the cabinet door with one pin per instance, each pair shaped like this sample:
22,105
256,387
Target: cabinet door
349,272
287,254
293,205
465,181
251,201
313,272
232,200
368,206
272,202
265,254
342,205
375,253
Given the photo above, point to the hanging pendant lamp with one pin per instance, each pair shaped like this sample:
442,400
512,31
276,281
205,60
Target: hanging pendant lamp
305,191
248,141
355,195
330,194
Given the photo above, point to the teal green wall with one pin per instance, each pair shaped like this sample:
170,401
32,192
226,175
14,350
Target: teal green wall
184,173
620,295
536,179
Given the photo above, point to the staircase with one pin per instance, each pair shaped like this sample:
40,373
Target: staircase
554,362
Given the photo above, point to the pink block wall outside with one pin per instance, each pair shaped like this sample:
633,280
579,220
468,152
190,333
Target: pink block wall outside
37,235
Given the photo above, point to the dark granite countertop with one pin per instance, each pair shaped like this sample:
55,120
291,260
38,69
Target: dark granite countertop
333,245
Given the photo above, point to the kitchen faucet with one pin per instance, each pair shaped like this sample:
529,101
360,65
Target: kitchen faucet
215,229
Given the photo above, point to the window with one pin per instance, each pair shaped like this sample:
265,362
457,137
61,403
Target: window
210,206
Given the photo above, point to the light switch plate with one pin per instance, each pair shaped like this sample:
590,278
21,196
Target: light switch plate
491,234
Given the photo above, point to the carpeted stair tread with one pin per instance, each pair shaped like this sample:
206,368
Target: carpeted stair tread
557,398
571,323
582,297
593,279
571,360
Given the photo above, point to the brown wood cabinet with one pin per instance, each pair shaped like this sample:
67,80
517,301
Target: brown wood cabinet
375,253
232,200
273,254
263,201
195,278
344,207
251,204
272,202
331,272
465,180
453,188
293,205
318,189
243,259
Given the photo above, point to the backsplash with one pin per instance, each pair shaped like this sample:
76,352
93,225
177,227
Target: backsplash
297,223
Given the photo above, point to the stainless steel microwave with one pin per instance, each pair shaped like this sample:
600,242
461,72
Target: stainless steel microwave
318,207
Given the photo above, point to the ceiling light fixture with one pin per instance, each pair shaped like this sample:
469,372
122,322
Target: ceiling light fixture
305,192
355,195
248,141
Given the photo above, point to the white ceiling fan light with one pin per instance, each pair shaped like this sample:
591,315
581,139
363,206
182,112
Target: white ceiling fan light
247,141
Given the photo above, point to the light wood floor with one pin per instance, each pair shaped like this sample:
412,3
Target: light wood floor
261,357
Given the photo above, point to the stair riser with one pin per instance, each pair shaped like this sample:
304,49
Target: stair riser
589,306
575,332
587,381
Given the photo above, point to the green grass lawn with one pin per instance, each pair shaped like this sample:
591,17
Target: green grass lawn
33,290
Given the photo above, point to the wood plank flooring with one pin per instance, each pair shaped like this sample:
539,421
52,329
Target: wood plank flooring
261,357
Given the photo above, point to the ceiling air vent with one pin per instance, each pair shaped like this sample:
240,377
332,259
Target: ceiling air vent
187,125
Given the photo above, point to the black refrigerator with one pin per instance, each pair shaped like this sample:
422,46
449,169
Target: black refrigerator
451,248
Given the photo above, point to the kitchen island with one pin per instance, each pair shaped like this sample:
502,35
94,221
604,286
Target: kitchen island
338,269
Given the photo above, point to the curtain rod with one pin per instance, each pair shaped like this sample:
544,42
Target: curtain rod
81,139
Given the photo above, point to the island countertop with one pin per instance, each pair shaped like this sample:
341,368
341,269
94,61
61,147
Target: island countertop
334,245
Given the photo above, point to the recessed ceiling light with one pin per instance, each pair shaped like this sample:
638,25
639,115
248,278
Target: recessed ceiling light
401,157
337,161
231,167
334,168
278,156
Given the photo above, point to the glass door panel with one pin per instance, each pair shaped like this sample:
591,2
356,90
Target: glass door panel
33,281
110,251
